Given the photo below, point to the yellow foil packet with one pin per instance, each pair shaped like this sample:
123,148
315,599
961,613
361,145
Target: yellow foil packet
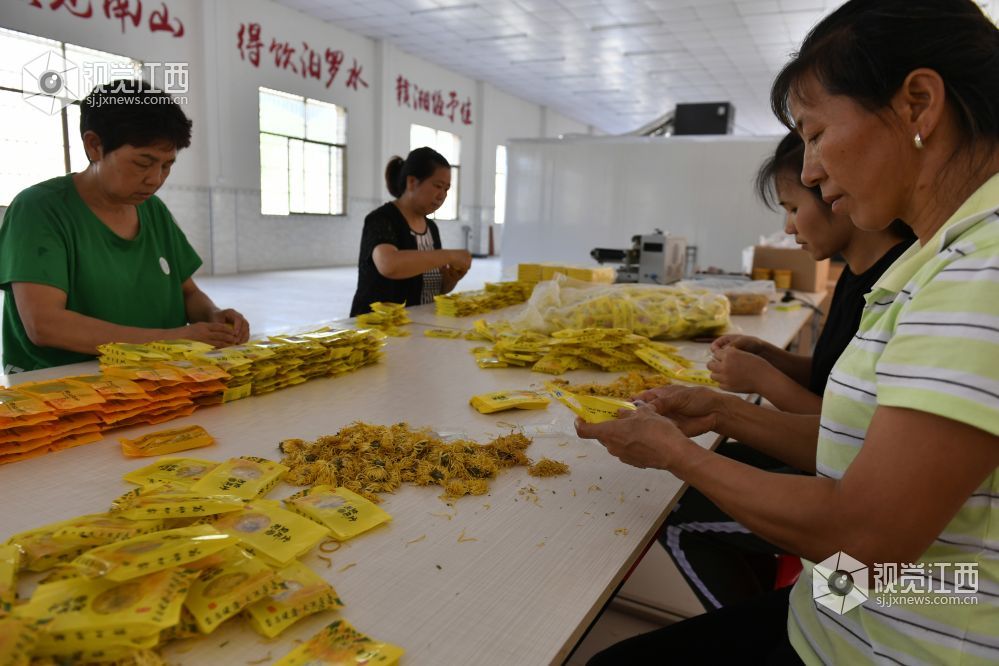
17,641
246,477
590,408
148,553
178,471
268,530
301,592
340,644
41,549
10,562
180,348
223,591
345,513
167,441
174,503
92,614
102,528
488,403
450,333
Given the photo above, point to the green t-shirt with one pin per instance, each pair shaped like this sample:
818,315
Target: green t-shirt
49,236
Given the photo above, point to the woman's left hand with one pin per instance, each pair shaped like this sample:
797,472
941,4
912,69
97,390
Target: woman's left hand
640,438
738,370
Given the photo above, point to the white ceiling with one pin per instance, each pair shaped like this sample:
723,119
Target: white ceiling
613,64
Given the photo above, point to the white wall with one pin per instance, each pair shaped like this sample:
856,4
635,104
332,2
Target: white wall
214,192
565,198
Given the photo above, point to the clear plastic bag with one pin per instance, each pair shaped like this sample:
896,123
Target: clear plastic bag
745,297
664,312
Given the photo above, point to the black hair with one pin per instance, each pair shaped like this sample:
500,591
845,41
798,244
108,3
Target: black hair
421,163
131,112
865,50
787,162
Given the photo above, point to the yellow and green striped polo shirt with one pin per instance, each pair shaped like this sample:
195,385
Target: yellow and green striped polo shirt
928,340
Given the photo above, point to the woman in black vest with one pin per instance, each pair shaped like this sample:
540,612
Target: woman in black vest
401,259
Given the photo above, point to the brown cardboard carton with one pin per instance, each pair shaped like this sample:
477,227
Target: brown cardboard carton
806,273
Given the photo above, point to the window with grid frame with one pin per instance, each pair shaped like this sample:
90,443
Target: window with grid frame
448,145
40,139
303,153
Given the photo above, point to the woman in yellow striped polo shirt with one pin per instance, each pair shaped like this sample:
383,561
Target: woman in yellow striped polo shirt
898,104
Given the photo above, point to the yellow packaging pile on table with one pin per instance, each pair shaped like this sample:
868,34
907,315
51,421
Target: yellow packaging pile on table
179,471
301,592
123,353
624,387
175,348
166,441
590,408
25,425
77,406
539,272
221,592
152,552
99,529
345,513
489,403
340,644
386,317
42,550
276,535
675,367
247,477
495,296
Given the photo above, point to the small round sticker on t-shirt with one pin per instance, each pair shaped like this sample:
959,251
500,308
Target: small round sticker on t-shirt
165,265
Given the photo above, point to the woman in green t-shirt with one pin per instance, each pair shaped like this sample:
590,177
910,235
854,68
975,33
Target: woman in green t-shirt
95,257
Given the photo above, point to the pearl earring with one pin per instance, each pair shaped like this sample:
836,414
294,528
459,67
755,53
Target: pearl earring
917,141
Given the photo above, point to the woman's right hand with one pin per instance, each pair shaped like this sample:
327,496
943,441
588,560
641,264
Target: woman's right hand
217,334
695,410
746,343
459,260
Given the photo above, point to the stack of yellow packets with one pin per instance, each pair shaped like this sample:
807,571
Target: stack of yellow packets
193,547
386,317
340,644
495,296
540,272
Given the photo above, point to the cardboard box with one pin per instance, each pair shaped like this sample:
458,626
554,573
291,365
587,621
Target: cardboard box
806,273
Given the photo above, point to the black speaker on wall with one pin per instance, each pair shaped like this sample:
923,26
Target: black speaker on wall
704,118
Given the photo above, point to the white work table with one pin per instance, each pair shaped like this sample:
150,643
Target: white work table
546,557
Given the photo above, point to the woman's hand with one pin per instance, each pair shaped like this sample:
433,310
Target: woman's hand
450,278
240,327
738,370
746,343
459,260
640,438
694,410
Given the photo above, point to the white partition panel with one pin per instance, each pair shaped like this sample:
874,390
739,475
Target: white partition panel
566,197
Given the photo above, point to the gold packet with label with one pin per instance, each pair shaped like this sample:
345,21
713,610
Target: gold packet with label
180,348
148,553
170,502
488,403
166,441
179,471
449,333
590,408
247,477
41,549
221,592
301,592
340,644
274,533
345,513
10,563
101,528
17,641
85,614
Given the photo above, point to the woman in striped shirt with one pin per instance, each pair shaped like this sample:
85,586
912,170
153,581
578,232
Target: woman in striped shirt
898,104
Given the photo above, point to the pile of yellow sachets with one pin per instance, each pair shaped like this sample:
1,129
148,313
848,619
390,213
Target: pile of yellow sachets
495,296
39,417
540,272
607,349
262,366
193,547
389,318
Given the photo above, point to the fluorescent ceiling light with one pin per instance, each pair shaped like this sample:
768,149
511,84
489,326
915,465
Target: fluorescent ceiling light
533,60
470,5
496,38
617,26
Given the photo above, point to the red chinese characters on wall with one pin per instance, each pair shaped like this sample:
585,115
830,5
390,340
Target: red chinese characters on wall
298,58
128,13
413,96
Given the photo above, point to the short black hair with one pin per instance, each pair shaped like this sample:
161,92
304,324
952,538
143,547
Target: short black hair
421,163
865,50
131,112
788,159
